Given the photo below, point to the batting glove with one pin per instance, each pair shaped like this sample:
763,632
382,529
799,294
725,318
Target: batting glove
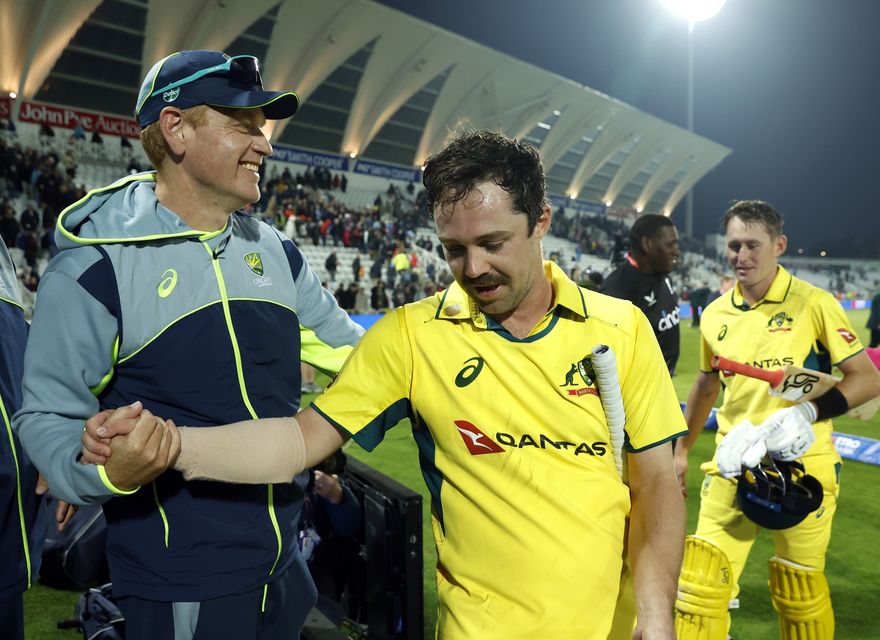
791,431
743,446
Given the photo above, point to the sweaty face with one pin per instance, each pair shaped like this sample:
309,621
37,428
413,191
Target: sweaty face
489,250
663,250
753,254
225,153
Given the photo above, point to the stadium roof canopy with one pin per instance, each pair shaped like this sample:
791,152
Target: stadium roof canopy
374,82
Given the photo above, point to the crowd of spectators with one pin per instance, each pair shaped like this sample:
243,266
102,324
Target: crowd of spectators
307,207
35,186
392,266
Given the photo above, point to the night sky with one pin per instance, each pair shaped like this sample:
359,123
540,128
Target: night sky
789,85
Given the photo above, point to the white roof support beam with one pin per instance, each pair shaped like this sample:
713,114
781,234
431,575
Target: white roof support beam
577,120
32,37
646,149
621,127
711,159
484,89
311,41
196,24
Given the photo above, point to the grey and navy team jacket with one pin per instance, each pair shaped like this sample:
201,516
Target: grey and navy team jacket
204,329
22,521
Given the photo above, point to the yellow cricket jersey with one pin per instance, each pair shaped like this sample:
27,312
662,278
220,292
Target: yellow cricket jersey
795,324
528,508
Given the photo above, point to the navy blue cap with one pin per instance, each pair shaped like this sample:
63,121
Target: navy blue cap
189,78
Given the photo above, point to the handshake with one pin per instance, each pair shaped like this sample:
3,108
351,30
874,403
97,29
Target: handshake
786,435
133,445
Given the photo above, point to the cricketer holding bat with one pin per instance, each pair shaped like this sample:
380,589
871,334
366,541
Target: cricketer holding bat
770,319
528,507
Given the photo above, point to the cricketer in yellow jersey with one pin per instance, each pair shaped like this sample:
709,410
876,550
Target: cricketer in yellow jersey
527,504
770,319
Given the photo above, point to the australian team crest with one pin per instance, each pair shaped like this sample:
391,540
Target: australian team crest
584,369
254,262
780,322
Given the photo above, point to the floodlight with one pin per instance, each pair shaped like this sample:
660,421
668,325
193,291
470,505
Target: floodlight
695,10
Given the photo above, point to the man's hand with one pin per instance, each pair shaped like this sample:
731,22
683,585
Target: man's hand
680,460
100,429
149,449
743,446
328,487
666,633
63,511
791,431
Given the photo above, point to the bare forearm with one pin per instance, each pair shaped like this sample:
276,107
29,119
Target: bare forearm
861,380
657,529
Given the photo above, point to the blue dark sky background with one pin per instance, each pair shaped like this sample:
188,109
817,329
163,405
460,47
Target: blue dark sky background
790,85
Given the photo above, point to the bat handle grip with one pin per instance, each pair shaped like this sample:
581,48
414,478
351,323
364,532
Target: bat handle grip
772,376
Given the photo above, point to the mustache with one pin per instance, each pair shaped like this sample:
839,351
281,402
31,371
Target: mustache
485,281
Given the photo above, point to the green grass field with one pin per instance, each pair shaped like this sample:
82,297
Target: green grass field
853,556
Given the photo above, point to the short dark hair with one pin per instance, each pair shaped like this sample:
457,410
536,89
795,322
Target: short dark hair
647,226
755,212
479,156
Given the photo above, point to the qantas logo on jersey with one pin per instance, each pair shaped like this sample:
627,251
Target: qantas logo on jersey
475,440
846,335
780,322
478,443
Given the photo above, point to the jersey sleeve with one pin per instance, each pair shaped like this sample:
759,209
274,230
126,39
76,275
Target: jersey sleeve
833,327
313,351
371,393
653,414
706,355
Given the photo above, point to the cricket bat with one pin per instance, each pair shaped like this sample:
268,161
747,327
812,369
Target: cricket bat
602,366
795,384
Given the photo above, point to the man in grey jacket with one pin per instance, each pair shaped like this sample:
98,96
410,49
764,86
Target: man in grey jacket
164,293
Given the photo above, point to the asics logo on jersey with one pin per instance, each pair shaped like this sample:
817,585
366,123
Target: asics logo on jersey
669,320
167,284
477,442
722,333
469,372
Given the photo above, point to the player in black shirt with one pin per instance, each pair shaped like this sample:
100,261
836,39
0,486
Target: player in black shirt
643,279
